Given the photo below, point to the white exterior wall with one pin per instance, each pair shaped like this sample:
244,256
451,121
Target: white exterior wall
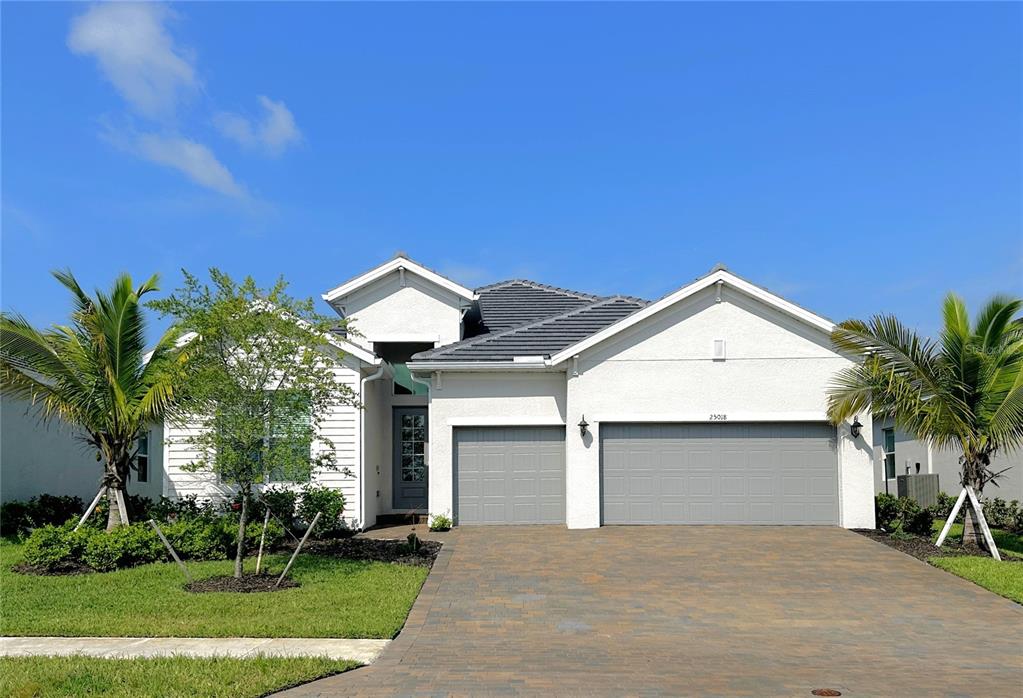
662,370
776,369
340,425
485,399
1010,485
37,458
419,311
945,463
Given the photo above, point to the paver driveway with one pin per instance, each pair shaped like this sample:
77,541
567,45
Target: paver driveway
709,610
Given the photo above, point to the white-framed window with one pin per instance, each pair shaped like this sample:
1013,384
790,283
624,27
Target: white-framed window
142,458
889,453
278,432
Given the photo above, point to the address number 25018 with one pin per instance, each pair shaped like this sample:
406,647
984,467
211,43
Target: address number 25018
719,418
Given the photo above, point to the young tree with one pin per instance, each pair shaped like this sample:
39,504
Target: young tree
259,378
964,391
93,374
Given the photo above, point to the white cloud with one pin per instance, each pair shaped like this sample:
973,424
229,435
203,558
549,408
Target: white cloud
273,133
137,54
193,159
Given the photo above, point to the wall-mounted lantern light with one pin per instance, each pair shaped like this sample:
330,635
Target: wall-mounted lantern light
582,426
855,427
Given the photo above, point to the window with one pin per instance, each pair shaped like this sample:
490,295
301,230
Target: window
889,453
142,458
290,440
413,448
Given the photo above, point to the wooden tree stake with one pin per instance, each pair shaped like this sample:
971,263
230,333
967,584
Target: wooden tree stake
262,537
119,496
92,507
298,548
968,493
171,549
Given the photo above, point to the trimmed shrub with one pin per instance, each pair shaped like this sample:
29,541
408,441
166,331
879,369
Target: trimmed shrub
125,546
198,539
316,498
190,507
902,514
49,547
944,505
886,510
20,518
1001,514
919,522
274,535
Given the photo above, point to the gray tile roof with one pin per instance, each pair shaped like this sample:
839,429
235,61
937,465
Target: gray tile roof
519,302
540,338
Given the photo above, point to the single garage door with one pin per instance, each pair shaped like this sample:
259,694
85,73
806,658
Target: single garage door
510,475
765,473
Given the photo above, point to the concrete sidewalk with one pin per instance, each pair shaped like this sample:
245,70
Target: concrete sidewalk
365,651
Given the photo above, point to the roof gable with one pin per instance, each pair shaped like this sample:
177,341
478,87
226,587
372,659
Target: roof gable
718,275
401,264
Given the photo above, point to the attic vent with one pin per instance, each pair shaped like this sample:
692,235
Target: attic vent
719,350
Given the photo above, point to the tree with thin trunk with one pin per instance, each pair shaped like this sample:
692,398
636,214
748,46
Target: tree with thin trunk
260,378
94,374
963,392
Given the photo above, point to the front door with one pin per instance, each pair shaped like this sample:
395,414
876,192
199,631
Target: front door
410,467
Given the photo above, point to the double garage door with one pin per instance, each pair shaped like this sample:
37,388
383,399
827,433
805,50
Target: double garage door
757,473
764,473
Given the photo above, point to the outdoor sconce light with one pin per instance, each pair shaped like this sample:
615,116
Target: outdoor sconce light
582,426
854,429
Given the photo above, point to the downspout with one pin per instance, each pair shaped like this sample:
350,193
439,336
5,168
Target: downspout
362,436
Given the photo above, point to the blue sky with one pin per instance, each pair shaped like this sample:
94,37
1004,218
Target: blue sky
857,158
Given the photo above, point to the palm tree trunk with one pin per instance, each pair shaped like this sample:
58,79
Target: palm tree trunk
972,535
113,511
239,554
115,479
973,476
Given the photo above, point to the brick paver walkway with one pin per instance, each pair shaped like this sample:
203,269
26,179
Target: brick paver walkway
692,611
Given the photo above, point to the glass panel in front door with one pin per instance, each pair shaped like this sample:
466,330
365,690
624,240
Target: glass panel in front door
413,448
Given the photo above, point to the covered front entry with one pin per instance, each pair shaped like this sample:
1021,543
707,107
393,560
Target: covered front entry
510,475
410,468
753,473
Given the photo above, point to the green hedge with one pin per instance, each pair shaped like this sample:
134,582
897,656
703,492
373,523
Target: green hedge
902,514
52,547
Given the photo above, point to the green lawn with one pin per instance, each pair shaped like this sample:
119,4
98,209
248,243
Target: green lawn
1009,544
337,598
25,677
1003,578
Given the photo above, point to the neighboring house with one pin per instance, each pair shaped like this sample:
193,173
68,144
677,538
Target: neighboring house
37,458
904,455
521,403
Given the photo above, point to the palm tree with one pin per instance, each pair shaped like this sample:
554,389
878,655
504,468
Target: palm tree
94,373
962,392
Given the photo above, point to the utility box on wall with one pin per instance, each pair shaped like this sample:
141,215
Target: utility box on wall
923,489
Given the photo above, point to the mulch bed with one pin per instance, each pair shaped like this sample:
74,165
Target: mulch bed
64,568
394,551
247,584
923,548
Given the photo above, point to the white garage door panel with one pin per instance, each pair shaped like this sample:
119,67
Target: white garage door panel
771,473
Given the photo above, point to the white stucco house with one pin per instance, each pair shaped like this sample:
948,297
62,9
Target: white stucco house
520,403
52,458
905,455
